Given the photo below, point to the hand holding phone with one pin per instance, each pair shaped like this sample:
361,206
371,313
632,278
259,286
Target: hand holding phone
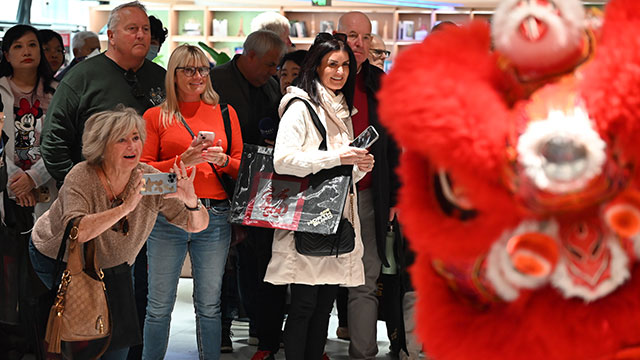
205,136
159,184
366,138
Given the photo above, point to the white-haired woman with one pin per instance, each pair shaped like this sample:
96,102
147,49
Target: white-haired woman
103,193
191,106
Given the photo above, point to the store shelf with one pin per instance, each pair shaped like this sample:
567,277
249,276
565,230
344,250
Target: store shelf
387,18
188,38
302,40
407,42
238,39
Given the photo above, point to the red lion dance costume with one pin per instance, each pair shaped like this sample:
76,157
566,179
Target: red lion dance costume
520,182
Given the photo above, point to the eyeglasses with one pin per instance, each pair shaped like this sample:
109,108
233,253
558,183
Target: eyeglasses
324,37
123,224
190,71
380,53
132,79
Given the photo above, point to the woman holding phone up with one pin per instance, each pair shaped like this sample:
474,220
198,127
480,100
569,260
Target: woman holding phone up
191,106
103,194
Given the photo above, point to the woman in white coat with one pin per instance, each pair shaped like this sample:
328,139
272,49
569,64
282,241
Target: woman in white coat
327,81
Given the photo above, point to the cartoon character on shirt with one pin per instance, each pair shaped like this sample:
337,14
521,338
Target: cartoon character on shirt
27,150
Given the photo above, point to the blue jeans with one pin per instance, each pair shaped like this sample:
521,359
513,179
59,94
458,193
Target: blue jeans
166,250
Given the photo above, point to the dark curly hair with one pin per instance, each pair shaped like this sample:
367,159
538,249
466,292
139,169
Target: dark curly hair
158,32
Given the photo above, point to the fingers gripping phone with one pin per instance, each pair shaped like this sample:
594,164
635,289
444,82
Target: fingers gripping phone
366,138
205,136
159,184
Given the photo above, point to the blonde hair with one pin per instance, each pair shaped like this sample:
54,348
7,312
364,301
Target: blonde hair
106,127
183,55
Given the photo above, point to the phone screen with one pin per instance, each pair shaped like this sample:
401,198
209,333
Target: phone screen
366,138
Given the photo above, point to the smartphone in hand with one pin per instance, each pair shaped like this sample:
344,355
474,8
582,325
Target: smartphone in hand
205,136
159,184
366,138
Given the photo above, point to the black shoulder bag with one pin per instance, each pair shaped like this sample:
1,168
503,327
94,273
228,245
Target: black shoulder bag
343,241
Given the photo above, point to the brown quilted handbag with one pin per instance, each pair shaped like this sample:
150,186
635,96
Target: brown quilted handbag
80,311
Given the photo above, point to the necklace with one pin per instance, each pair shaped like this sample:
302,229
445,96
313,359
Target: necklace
109,183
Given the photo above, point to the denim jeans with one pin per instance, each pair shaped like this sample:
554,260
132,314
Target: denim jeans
167,247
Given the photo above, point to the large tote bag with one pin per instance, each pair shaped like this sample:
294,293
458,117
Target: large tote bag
312,204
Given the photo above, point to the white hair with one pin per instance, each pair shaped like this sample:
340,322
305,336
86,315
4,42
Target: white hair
262,41
565,31
79,38
272,21
114,16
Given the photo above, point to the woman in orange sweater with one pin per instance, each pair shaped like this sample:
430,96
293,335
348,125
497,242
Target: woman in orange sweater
191,106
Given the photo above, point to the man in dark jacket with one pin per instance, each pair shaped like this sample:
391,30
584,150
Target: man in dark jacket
375,210
247,83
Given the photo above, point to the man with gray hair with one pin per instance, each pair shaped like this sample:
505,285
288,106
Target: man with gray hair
121,75
84,44
246,82
272,21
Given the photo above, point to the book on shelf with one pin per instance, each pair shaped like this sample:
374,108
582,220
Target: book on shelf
406,30
327,26
298,29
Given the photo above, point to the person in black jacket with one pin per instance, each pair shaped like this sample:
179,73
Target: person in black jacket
247,84
375,211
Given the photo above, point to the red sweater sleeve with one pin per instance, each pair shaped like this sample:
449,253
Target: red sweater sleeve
152,146
236,146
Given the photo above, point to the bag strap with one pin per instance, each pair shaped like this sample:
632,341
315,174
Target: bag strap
224,109
61,250
315,119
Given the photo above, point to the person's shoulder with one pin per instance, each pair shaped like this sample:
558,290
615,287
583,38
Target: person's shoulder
152,112
86,70
79,174
90,65
374,71
223,71
153,68
273,85
4,83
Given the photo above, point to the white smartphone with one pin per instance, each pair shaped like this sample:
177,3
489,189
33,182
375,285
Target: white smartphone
159,184
366,138
205,136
